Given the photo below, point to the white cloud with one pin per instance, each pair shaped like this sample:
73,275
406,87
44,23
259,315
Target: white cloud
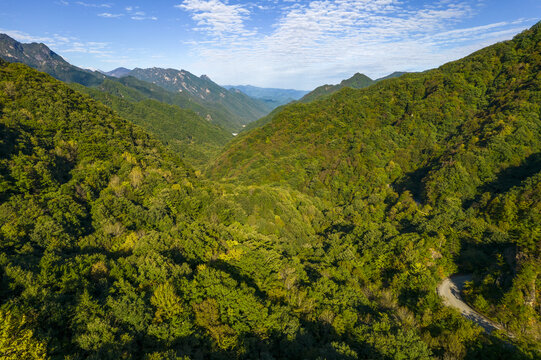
91,4
90,47
26,38
63,44
217,18
139,18
324,41
109,15
135,14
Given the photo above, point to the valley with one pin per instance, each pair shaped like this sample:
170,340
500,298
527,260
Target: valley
150,213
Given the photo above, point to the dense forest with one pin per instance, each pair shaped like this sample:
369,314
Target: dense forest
321,234
195,139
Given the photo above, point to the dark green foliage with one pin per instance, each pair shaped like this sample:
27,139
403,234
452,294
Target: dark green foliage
326,238
186,133
452,154
111,248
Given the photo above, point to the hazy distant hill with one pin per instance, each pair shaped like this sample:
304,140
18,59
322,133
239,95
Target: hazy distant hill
321,235
41,58
203,90
271,96
118,72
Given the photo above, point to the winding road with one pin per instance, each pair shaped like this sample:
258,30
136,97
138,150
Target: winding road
450,290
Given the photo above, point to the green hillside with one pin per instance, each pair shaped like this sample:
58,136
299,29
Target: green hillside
459,145
110,247
320,235
195,139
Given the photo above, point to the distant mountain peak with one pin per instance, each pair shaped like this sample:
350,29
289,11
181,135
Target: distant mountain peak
118,72
40,57
240,108
357,81
393,75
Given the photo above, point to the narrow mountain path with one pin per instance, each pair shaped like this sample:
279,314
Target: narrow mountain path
450,290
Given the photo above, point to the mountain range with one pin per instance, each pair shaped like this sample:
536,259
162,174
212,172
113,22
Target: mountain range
228,109
40,57
242,109
133,226
271,96
118,72
357,81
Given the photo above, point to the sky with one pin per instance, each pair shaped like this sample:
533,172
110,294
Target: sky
271,43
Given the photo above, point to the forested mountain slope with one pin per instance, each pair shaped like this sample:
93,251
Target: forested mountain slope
326,244
357,81
229,110
474,107
195,139
242,109
461,142
110,247
133,89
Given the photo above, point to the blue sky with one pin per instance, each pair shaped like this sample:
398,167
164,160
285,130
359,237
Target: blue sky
271,43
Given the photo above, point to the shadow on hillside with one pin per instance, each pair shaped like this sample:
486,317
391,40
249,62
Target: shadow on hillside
509,177
413,182
514,175
8,140
297,338
314,340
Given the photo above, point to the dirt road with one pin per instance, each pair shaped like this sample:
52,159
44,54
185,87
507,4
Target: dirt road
450,290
